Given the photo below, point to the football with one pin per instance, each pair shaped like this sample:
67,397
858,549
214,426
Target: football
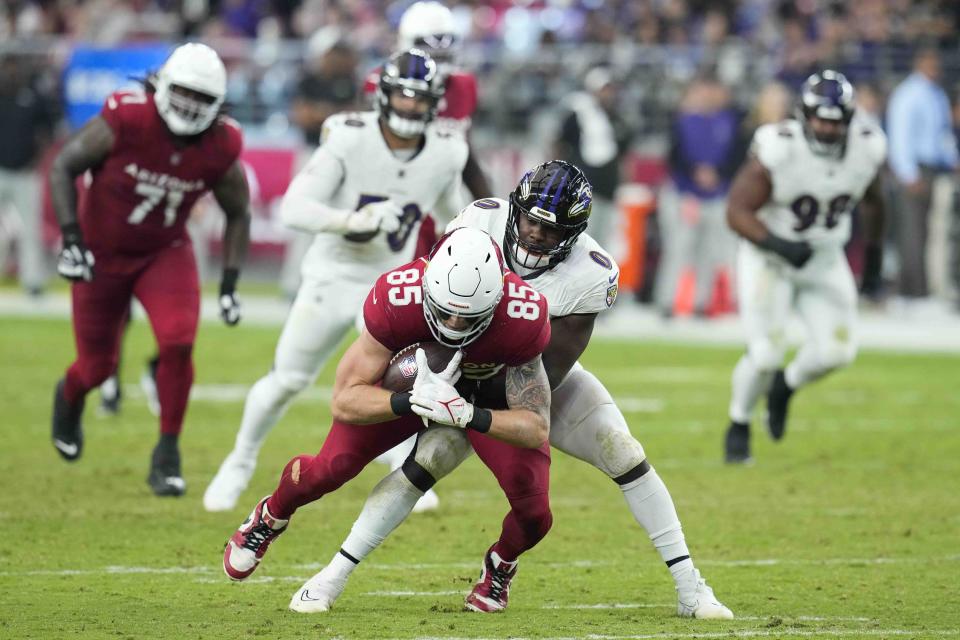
402,370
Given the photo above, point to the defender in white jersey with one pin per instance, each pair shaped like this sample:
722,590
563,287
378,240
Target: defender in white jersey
541,232
364,193
792,202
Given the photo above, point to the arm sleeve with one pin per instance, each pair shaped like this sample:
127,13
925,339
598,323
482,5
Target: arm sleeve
899,117
304,207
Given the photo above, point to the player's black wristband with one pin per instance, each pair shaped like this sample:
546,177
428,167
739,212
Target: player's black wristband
228,283
481,420
71,233
400,404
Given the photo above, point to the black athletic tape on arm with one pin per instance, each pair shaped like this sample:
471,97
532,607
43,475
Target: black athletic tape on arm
400,404
481,420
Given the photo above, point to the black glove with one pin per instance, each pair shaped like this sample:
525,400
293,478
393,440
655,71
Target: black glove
793,251
75,261
872,267
229,304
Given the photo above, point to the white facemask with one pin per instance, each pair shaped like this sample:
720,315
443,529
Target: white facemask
404,127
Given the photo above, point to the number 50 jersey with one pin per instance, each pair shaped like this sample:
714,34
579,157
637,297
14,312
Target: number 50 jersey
813,195
141,196
353,167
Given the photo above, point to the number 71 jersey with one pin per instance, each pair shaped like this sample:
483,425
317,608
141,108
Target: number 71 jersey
519,332
813,195
140,197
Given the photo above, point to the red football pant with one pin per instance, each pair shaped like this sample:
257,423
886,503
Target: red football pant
523,474
167,286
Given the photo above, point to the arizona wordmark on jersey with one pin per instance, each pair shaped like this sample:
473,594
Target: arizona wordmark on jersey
586,280
354,151
814,194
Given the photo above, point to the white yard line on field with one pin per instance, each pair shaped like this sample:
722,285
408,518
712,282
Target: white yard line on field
778,632
231,393
412,566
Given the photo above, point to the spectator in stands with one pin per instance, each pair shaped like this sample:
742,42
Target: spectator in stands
922,148
327,85
594,137
705,152
27,119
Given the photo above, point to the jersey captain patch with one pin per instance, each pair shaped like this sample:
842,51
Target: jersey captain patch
486,204
601,260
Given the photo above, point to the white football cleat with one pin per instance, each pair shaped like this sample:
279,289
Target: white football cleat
318,593
231,481
696,600
427,502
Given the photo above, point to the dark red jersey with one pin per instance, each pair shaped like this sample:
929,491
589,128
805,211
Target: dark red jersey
520,331
141,196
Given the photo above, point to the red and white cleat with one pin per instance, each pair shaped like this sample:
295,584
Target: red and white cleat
490,593
247,546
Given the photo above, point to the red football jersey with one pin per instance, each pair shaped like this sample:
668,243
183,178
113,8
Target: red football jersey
141,196
459,100
520,331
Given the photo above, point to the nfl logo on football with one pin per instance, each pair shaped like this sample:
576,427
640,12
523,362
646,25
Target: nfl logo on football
408,367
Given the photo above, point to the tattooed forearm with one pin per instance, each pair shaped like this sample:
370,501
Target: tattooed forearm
529,388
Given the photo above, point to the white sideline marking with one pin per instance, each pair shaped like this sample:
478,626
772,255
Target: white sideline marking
578,564
415,593
229,393
778,632
611,605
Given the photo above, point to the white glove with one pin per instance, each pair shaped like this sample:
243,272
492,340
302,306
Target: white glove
437,401
230,308
449,375
75,262
376,216
433,396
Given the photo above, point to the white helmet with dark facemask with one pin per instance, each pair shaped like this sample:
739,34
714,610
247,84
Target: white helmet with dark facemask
462,285
191,86
430,26
413,74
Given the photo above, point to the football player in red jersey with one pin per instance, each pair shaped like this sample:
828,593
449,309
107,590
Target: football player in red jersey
151,154
464,298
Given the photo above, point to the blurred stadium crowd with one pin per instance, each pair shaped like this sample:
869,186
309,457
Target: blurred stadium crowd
661,59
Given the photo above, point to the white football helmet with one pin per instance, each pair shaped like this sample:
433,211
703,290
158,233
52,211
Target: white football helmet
462,285
191,69
427,25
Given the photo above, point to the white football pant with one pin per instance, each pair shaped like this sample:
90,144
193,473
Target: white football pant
322,313
824,295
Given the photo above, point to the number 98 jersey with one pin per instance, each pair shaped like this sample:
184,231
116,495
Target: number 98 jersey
140,197
813,194
519,332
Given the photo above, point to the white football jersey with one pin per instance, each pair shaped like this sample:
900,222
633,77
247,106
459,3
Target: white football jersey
428,182
584,282
813,195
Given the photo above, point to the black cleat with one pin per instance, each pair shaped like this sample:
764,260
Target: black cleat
110,396
778,399
165,478
737,443
67,428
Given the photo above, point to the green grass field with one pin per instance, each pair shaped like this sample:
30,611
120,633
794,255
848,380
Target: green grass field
849,528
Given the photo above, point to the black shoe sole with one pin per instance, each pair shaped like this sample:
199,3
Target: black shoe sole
737,445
